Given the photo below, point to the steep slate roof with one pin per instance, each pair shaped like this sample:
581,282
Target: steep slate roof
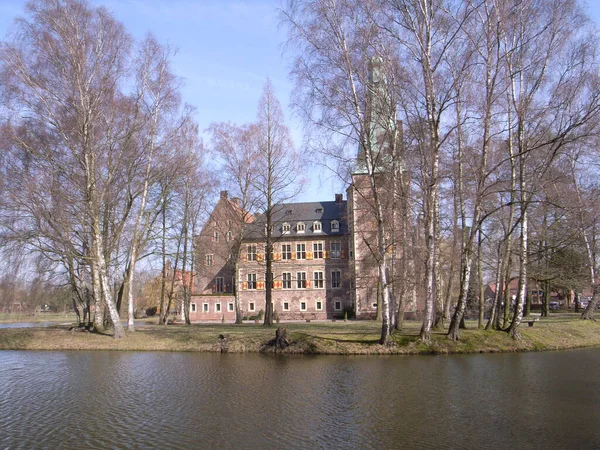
292,213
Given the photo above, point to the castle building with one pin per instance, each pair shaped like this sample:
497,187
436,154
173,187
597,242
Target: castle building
311,269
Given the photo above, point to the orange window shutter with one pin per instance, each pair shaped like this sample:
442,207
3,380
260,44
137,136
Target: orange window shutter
293,255
343,254
244,285
309,255
307,283
325,254
244,257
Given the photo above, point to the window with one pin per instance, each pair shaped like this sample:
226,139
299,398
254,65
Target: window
336,250
336,279
287,280
375,305
286,251
205,307
300,251
335,226
302,306
217,307
220,285
318,280
319,305
251,281
251,306
286,306
301,280
317,227
251,252
229,222
230,307
317,250
209,260
229,236
337,305
215,236
300,227
193,307
285,228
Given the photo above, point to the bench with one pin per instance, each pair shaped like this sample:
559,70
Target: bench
531,319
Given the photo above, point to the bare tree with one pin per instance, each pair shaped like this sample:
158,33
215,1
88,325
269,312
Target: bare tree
345,77
553,96
87,146
238,158
277,171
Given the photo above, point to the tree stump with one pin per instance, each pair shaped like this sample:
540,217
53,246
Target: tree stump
224,343
281,338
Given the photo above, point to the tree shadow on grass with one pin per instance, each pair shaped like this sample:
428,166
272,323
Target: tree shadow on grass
364,341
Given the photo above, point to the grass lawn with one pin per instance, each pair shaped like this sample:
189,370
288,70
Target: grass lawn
559,331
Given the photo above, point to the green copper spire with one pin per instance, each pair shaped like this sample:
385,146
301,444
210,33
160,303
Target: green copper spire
379,120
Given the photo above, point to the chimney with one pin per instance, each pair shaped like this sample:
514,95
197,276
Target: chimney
224,195
236,201
339,198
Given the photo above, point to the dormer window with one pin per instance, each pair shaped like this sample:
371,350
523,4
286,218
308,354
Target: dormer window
285,228
317,227
300,227
335,226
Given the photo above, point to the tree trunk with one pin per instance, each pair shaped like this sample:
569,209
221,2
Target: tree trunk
480,278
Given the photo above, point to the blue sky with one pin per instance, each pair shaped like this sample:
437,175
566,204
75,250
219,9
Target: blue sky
226,51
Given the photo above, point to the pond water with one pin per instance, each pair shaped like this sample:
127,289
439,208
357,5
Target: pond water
193,400
28,324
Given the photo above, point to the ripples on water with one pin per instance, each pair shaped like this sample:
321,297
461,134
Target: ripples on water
187,400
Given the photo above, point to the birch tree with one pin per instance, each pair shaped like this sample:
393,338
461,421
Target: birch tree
552,94
76,113
337,46
424,33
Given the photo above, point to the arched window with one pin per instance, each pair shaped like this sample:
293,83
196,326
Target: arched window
300,227
317,228
285,228
335,226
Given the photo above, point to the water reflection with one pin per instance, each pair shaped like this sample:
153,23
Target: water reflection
188,400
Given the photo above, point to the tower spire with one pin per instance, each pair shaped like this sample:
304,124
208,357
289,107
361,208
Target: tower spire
379,120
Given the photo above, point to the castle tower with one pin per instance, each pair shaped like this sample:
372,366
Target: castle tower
373,163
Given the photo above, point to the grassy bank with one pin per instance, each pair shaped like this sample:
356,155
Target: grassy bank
561,331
